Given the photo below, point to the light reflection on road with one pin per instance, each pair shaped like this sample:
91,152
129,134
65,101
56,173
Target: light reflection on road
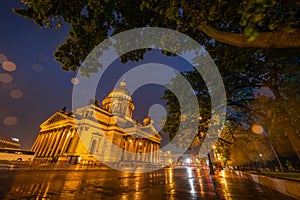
169,183
191,180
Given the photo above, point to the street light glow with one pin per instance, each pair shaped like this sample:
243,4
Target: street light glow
258,129
188,160
15,139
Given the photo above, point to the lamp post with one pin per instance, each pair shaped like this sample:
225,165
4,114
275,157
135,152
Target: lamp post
211,167
260,130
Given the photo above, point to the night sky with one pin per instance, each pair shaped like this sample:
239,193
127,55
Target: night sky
38,87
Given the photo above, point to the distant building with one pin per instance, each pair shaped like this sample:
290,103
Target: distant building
103,134
9,143
167,158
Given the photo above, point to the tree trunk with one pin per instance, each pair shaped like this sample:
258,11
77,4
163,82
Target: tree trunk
287,124
291,133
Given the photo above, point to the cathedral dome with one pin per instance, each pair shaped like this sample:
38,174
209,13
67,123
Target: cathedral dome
119,101
120,92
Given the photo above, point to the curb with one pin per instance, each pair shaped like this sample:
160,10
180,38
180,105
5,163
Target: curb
284,186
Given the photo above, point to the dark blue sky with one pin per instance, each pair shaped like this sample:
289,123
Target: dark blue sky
46,88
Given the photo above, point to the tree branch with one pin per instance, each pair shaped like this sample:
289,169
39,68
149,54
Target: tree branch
274,39
223,140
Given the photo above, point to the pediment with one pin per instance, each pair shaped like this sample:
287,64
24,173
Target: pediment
57,117
150,129
145,132
158,136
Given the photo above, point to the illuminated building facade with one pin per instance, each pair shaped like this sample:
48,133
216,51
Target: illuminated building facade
98,134
9,143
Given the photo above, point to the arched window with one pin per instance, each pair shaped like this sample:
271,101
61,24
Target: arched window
93,146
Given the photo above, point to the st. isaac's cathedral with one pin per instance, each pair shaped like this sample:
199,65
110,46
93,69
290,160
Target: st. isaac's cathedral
94,133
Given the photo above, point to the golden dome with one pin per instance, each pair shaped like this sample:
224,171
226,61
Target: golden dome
119,101
120,92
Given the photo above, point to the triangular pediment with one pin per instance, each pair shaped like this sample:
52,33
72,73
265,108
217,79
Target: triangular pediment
158,136
150,129
56,118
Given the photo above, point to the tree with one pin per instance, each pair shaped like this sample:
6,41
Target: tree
257,24
263,26
242,147
272,124
280,75
242,76
239,89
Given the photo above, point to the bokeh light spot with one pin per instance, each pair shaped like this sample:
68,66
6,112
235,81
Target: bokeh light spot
7,86
74,81
43,57
9,66
5,78
258,129
10,120
16,94
38,67
3,58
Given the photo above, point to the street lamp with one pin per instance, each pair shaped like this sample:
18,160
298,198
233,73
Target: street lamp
258,129
211,167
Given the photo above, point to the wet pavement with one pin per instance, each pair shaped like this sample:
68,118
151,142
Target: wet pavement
183,184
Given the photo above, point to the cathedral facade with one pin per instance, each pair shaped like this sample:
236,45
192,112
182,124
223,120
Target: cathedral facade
94,133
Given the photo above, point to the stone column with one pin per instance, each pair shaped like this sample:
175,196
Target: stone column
137,150
48,143
151,151
39,145
57,140
155,153
74,143
61,142
52,142
125,149
36,143
129,148
148,150
67,140
144,150
158,154
43,143
145,143
141,150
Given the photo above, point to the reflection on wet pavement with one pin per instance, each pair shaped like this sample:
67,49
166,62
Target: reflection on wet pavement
187,183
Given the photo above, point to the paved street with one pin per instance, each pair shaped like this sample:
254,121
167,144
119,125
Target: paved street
167,183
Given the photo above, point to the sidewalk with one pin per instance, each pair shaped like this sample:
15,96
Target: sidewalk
283,184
